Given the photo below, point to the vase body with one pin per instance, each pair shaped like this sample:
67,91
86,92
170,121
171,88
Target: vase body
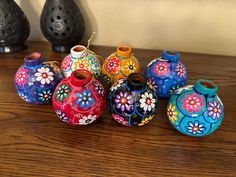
36,80
81,58
196,110
119,65
14,27
132,101
79,99
166,74
62,24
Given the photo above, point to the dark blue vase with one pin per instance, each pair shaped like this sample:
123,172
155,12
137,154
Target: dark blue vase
166,74
132,101
36,80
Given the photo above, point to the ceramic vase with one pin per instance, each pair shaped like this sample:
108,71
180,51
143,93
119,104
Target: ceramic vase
14,27
79,99
166,74
196,110
36,80
132,101
119,65
81,58
62,24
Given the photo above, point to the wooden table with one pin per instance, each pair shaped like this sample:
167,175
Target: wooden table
34,142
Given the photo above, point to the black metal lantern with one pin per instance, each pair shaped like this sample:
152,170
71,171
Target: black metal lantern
14,27
62,24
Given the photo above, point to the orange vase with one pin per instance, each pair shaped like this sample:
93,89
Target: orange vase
119,65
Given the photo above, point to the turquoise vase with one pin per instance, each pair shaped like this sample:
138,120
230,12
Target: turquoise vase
196,110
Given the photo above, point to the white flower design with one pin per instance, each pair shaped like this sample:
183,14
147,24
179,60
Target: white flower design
44,75
87,120
147,101
116,85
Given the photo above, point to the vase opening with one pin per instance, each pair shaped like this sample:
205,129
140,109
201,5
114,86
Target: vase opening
207,84
124,51
77,51
136,81
206,87
80,77
171,56
34,56
33,59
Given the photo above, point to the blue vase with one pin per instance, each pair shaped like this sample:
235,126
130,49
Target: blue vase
166,74
37,79
196,110
132,101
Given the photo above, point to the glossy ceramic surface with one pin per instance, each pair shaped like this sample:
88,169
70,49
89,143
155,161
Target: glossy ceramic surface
79,99
196,110
132,101
166,74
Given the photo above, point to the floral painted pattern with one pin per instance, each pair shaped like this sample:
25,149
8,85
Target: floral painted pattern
44,95
195,127
124,101
112,65
23,96
44,75
21,76
162,68
120,119
173,89
62,116
146,120
147,102
84,99
130,67
117,85
66,63
214,110
152,82
192,103
62,92
180,70
81,64
87,120
106,78
99,89
172,113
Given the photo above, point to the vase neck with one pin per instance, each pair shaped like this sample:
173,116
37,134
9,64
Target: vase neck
81,78
206,87
33,59
172,56
77,51
123,51
136,81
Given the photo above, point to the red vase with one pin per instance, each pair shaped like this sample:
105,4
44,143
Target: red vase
79,99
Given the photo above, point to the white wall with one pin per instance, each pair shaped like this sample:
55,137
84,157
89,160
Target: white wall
202,26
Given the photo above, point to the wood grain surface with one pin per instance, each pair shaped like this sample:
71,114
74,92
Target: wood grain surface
34,142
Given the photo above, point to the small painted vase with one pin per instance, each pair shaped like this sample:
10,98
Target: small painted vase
119,65
166,74
196,110
81,58
37,79
79,99
132,100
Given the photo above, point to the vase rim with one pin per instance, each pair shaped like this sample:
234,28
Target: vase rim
171,55
81,78
77,51
33,59
206,87
123,51
136,81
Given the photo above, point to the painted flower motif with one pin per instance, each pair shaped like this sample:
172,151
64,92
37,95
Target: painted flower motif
192,103
130,67
81,64
117,84
62,116
120,119
162,68
152,82
124,101
106,78
21,76
23,96
214,110
84,99
44,75
66,63
99,89
173,89
62,92
147,102
184,88
195,127
146,120
112,64
44,95
87,120
172,114
181,71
